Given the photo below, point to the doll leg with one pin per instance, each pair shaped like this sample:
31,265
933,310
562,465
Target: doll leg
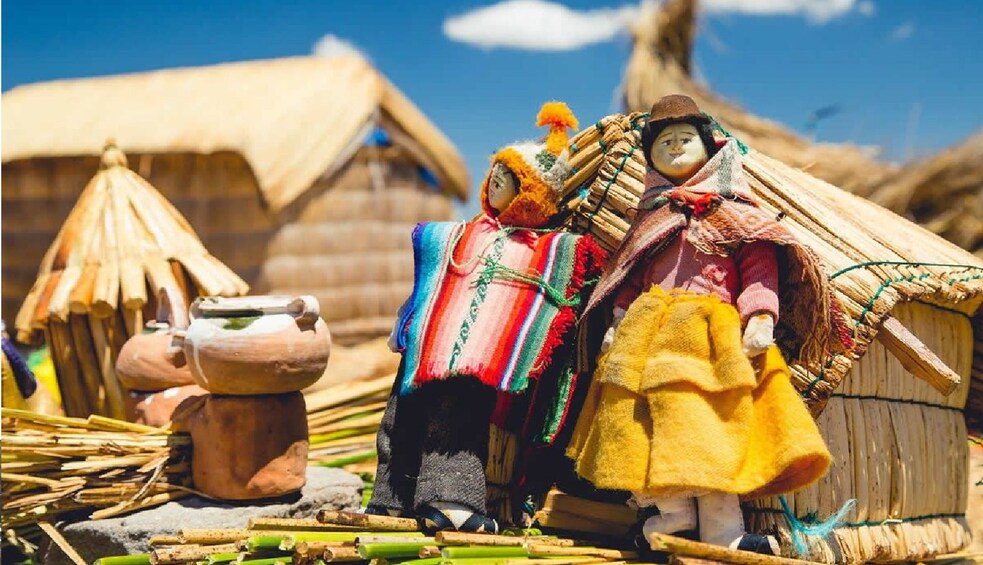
675,515
454,456
722,523
398,445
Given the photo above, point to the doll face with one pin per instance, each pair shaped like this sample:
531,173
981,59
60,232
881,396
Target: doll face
502,188
678,152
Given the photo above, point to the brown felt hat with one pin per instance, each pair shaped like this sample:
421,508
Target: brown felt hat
676,107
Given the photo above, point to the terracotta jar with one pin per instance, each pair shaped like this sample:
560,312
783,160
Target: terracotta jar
256,344
248,447
152,361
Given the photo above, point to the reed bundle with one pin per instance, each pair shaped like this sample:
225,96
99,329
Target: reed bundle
342,421
122,244
105,467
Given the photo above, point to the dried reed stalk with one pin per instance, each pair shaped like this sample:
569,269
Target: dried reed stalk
58,464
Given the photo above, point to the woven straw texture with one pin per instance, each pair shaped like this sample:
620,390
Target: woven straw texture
891,434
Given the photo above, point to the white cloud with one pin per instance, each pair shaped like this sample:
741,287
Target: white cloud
817,11
903,31
867,8
333,46
542,25
537,25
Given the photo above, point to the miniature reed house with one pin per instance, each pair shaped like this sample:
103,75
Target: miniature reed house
304,175
894,411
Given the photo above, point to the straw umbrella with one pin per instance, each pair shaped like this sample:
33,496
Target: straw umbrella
121,245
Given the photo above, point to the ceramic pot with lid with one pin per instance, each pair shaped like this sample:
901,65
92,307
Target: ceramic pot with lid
256,344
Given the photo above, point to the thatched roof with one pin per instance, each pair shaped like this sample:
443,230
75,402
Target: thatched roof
660,64
943,193
292,119
876,258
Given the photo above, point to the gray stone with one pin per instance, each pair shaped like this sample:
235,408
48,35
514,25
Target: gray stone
330,489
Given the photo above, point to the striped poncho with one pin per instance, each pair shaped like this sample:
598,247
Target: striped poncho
491,302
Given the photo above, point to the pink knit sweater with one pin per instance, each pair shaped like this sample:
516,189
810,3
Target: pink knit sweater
748,279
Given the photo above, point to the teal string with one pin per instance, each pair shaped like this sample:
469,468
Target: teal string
821,529
499,271
727,134
614,177
820,378
903,264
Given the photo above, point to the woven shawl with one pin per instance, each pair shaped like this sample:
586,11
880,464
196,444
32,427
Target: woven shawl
490,302
809,307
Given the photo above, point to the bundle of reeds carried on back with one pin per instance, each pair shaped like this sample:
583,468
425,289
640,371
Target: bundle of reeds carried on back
53,465
894,419
122,244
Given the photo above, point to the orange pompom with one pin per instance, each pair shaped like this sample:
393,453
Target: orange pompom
558,117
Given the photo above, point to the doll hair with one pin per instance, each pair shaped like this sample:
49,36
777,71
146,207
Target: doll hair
652,130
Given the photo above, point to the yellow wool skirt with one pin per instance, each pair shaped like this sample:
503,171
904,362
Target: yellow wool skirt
676,408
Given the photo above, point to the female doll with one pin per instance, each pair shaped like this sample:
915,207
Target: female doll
493,301
691,406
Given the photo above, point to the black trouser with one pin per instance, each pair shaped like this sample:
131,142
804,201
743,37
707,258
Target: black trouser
433,445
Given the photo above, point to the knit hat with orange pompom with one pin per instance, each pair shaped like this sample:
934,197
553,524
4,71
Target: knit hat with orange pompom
539,167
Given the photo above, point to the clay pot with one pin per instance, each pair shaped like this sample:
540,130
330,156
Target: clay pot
256,344
157,408
248,447
153,361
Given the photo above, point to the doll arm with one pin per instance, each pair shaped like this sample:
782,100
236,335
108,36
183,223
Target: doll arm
627,294
758,265
758,301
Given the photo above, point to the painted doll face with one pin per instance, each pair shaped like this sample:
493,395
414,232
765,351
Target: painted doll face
502,188
677,152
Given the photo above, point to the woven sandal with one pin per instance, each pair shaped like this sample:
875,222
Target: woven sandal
433,520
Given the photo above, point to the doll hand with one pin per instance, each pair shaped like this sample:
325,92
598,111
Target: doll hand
759,334
619,314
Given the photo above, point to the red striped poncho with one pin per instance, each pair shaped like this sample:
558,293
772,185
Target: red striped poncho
491,302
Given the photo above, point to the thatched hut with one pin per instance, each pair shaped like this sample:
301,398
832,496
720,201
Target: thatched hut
944,193
892,411
122,246
304,175
660,64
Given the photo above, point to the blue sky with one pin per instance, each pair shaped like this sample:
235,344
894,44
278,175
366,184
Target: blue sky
907,74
